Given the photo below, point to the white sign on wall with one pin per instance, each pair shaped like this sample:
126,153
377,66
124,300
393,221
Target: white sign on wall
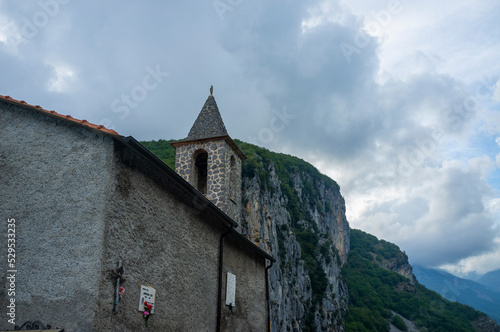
231,289
147,294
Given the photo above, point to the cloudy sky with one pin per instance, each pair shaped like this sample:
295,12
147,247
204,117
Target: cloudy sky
398,101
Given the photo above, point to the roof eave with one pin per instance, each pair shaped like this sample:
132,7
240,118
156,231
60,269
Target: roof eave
54,114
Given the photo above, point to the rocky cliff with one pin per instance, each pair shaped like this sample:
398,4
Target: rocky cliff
388,256
297,215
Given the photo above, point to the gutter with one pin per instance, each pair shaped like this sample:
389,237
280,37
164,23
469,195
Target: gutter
268,307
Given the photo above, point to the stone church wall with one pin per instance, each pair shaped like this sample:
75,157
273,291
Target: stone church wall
173,248
83,200
163,244
53,179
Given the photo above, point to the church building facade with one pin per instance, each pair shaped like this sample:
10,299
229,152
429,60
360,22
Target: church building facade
102,226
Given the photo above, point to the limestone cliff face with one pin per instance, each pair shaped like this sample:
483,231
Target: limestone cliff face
397,262
401,267
306,230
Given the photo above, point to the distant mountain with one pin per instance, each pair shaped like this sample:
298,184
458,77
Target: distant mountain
384,295
464,291
491,280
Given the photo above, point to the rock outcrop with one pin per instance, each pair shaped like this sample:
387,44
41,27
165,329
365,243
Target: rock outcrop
302,223
400,265
486,324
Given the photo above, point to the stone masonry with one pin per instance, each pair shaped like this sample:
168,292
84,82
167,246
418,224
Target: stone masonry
209,135
220,191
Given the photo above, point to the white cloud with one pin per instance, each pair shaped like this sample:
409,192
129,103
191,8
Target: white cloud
10,36
479,264
497,159
324,13
452,32
61,79
438,215
496,91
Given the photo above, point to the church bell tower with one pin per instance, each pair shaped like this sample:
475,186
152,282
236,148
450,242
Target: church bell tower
210,160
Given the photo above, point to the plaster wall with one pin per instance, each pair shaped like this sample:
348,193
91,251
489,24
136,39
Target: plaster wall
164,244
250,312
53,178
174,248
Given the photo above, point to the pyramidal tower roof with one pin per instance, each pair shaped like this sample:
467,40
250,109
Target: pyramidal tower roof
209,122
209,126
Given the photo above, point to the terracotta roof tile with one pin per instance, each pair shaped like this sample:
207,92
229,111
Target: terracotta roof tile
38,108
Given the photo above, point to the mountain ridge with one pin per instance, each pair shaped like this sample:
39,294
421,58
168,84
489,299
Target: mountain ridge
375,291
491,280
462,290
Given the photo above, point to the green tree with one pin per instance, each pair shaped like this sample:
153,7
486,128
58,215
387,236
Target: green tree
399,323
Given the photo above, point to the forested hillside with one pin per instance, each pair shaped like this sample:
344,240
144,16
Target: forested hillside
461,290
376,293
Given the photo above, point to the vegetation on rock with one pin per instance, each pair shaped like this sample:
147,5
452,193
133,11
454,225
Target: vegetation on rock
285,165
301,203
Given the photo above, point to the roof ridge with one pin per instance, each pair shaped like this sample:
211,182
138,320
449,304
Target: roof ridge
39,108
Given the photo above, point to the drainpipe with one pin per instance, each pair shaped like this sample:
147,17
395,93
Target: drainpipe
221,261
267,298
117,290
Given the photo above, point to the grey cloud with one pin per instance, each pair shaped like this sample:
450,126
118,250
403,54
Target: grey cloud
444,220
385,136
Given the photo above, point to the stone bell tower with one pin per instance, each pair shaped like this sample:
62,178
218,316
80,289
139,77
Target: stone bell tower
210,160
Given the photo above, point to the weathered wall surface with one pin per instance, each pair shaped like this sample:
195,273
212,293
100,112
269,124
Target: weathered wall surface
53,177
173,248
82,201
268,223
163,244
250,312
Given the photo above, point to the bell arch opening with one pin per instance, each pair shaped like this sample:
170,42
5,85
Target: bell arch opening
200,173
